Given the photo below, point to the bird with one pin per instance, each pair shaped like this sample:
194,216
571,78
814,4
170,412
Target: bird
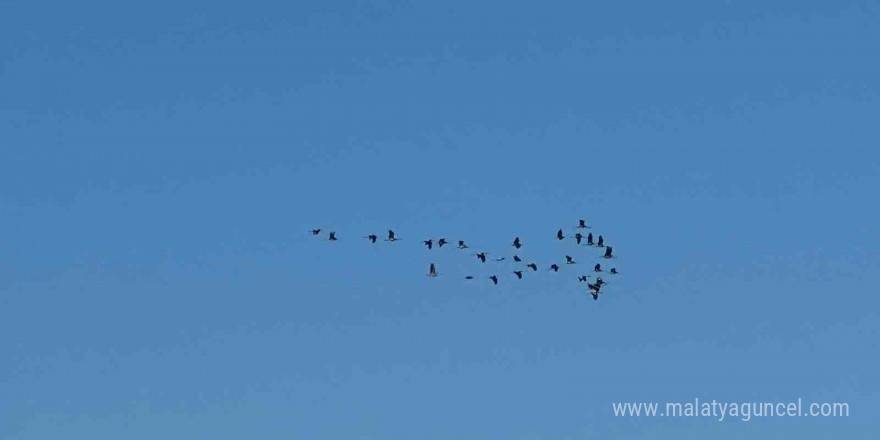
518,273
429,243
569,260
372,237
316,231
578,237
597,268
391,236
613,271
494,279
482,256
516,243
554,267
594,287
583,278
608,252
600,282
559,235
433,271
469,277
595,294
499,259
517,258
582,224
441,242
590,239
461,244
332,236
601,242
533,267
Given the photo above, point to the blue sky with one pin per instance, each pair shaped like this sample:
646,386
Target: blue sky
162,162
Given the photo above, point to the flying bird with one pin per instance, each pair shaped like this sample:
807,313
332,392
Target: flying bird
372,237
594,287
613,271
433,271
316,231
516,243
554,267
600,282
578,237
461,244
499,259
582,224
429,243
482,256
590,239
533,267
601,242
559,235
569,260
468,277
517,258
441,242
583,278
608,252
332,236
391,236
518,273
597,268
595,294
494,279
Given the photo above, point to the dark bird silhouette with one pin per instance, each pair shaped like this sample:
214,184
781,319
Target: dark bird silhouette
578,237
482,256
332,236
595,294
600,282
601,242
468,277
499,259
533,267
441,242
613,271
518,273
597,268
461,244
559,235
316,231
433,271
554,267
608,252
517,258
516,243
391,236
582,224
429,243
590,239
583,278
594,287
372,237
569,260
494,279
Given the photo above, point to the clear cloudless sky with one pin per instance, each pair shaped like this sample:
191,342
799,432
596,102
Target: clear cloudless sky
161,164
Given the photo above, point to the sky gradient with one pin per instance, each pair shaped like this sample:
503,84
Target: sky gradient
161,164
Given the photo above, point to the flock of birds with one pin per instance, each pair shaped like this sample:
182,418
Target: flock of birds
593,288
